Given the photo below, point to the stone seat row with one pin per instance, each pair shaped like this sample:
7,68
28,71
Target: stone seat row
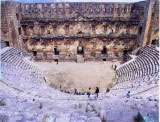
17,52
138,76
147,48
135,83
13,58
11,62
146,64
11,73
152,58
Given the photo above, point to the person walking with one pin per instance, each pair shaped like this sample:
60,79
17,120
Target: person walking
97,91
89,92
75,92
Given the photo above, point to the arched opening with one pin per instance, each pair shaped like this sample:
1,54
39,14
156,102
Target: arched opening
155,42
24,41
7,44
104,53
56,51
104,50
34,53
48,32
79,32
19,30
140,30
80,50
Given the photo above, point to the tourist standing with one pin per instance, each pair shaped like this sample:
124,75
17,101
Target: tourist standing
89,92
97,91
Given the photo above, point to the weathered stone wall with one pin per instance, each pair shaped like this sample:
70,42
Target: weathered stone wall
88,28
10,24
155,23
89,10
68,26
92,26
92,47
151,31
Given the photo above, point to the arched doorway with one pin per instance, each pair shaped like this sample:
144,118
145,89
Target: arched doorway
80,50
104,53
104,50
80,54
34,53
155,42
56,54
56,51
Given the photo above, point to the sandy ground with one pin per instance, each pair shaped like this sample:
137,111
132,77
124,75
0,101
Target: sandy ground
72,75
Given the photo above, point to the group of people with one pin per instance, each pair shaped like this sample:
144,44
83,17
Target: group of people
96,92
89,92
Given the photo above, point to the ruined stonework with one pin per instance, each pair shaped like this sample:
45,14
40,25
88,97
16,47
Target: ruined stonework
151,31
154,27
10,24
94,31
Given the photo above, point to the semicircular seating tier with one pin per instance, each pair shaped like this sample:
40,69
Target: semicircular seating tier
139,76
145,65
24,95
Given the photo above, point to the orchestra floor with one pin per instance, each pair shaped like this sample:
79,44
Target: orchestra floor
71,75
